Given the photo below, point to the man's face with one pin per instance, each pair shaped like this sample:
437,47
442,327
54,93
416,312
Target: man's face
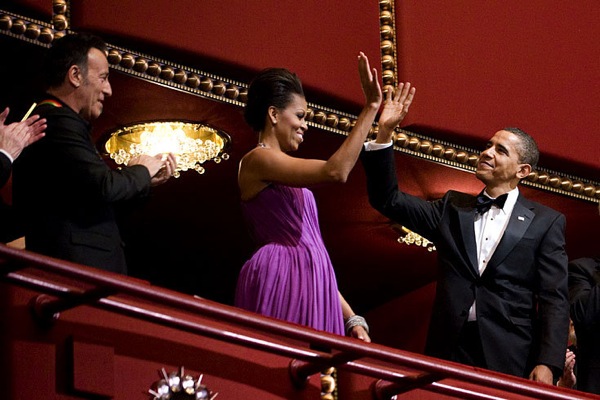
95,86
499,162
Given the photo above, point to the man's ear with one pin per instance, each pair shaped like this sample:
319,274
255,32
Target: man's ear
273,114
524,171
75,76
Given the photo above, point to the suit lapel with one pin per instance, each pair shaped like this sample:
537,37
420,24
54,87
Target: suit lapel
466,217
520,219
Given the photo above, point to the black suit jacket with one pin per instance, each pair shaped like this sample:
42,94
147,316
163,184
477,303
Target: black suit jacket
584,291
522,296
8,222
65,192
5,168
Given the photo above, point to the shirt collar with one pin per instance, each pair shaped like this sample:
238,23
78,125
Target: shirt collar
511,200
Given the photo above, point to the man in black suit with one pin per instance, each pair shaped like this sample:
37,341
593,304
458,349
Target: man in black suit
61,185
501,299
584,292
13,139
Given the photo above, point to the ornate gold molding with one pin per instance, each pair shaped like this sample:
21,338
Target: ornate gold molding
61,16
207,85
388,46
26,29
466,159
329,384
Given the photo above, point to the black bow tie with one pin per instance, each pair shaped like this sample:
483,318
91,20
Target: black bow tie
484,203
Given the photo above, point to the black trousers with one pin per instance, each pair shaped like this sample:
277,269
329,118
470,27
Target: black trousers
469,350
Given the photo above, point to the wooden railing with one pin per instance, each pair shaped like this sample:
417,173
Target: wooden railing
392,371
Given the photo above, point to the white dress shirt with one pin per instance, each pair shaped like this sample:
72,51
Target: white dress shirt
489,229
371,145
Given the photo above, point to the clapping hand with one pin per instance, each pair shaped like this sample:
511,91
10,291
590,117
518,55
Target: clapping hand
160,166
166,171
16,136
568,378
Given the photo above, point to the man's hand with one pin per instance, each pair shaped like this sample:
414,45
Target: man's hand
166,171
541,373
395,108
160,166
16,136
568,378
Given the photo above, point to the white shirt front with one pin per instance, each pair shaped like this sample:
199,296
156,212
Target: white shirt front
489,229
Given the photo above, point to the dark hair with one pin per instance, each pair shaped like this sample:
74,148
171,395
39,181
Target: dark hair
271,87
67,51
528,149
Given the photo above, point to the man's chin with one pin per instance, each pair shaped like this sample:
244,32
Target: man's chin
95,115
481,175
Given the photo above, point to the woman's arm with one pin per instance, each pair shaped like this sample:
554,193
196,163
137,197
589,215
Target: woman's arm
356,328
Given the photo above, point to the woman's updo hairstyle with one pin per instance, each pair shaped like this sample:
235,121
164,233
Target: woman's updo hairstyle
271,87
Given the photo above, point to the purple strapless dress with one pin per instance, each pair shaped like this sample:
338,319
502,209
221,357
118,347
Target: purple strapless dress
290,276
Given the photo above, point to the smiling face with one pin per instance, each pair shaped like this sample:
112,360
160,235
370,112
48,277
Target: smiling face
499,165
94,86
289,123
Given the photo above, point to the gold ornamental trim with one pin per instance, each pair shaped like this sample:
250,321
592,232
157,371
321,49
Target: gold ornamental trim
464,158
388,44
218,88
61,16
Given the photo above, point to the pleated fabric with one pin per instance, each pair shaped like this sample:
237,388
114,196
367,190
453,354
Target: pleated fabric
290,275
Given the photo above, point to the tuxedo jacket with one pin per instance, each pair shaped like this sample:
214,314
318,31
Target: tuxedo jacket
584,293
65,192
522,295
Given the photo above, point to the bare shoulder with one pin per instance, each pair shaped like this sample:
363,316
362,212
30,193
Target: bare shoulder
250,177
255,158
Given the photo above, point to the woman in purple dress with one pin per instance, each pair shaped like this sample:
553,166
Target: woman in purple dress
290,275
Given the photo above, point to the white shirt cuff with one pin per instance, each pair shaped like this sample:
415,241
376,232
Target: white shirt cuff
7,155
372,145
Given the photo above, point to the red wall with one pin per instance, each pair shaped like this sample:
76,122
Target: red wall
480,66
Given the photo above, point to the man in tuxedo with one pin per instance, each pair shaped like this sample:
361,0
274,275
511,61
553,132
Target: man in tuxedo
501,296
13,139
61,185
584,293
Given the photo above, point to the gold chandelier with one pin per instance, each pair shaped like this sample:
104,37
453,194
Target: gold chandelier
192,143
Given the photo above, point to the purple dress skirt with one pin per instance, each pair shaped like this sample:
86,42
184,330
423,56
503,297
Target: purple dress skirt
290,276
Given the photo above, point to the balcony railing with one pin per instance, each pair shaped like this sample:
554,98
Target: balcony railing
386,366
